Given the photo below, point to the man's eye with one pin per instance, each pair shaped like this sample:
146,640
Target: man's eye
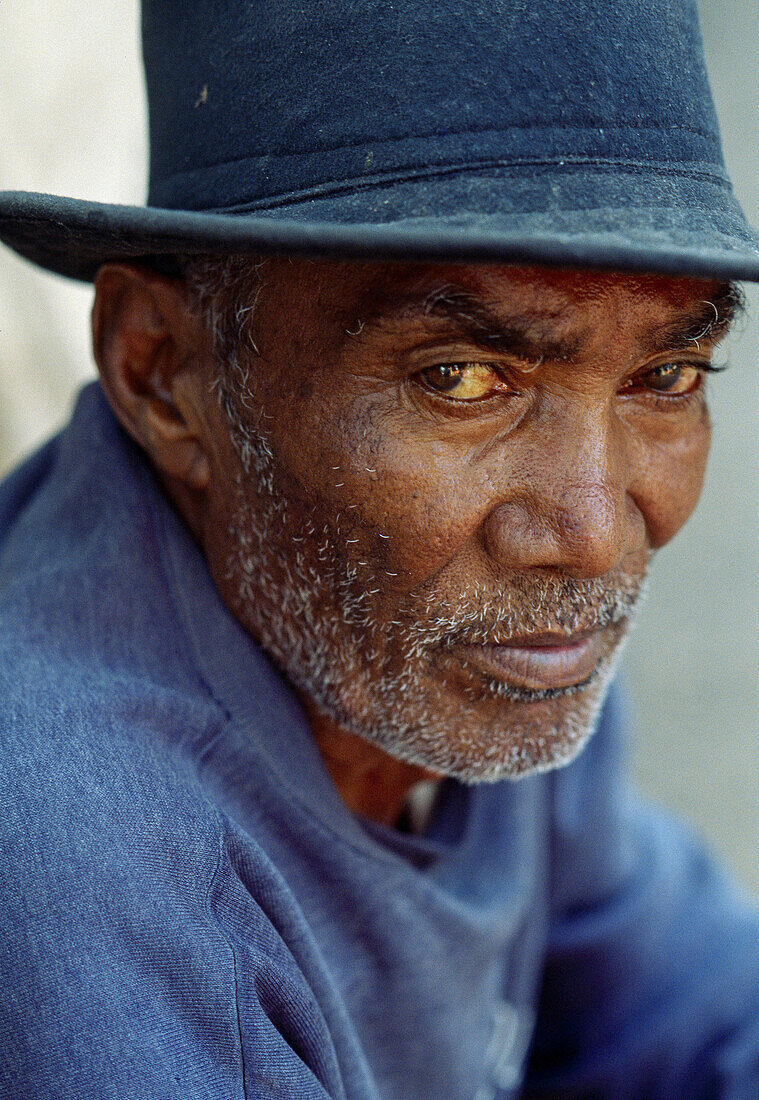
462,381
675,379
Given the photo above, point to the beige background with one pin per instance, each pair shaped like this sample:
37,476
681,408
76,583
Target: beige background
72,122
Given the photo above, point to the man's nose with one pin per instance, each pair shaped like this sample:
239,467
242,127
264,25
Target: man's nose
569,507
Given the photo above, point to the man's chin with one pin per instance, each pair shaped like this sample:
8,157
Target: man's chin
499,737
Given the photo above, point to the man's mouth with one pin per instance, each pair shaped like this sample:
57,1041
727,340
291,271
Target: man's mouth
538,662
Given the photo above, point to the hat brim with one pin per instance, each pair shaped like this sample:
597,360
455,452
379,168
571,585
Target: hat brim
664,228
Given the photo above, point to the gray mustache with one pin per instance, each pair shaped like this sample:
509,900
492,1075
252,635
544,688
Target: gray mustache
535,606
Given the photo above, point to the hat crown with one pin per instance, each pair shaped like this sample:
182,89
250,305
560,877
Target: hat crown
577,133
266,104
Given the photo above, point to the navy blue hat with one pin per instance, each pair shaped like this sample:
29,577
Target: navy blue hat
543,131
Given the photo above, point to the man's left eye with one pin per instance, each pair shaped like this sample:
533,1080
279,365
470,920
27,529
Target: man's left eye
674,379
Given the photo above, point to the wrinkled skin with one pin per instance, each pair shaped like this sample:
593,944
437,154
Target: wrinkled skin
559,478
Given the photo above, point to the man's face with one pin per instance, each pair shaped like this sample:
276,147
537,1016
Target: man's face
453,479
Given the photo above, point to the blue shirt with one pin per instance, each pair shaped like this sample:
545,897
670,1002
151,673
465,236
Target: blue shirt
190,911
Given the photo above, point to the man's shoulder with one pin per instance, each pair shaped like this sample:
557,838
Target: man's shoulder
93,756
98,699
110,848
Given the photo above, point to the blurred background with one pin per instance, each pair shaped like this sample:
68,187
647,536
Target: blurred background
72,117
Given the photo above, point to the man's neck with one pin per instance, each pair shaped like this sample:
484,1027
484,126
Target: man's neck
370,782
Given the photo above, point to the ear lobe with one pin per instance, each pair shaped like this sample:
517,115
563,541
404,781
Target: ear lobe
148,348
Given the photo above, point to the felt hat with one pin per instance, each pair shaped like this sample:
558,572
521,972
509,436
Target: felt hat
530,131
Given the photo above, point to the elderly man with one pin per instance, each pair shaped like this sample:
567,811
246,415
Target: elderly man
306,607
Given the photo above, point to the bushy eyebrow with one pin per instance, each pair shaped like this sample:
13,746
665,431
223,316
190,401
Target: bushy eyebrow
529,335
709,320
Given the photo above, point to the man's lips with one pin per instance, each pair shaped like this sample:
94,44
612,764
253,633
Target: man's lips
537,662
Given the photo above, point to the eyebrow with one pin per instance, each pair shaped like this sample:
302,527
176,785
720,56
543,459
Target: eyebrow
530,336
710,320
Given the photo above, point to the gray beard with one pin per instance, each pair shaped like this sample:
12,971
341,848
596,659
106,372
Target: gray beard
310,608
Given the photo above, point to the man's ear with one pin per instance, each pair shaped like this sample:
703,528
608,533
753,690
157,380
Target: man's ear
152,354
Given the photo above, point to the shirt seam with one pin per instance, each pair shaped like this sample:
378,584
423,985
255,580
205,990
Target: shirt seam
158,535
211,883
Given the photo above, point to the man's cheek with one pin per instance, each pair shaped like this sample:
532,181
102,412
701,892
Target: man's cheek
420,536
397,503
668,494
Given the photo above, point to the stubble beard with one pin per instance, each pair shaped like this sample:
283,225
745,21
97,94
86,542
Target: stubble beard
314,610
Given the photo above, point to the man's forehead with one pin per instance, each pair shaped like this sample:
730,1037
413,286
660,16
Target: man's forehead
559,305
391,281
530,311
552,290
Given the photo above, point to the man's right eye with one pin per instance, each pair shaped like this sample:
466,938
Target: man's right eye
464,381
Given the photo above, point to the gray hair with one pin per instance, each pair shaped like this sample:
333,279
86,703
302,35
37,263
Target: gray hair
223,293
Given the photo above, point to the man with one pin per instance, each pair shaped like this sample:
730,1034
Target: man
308,605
